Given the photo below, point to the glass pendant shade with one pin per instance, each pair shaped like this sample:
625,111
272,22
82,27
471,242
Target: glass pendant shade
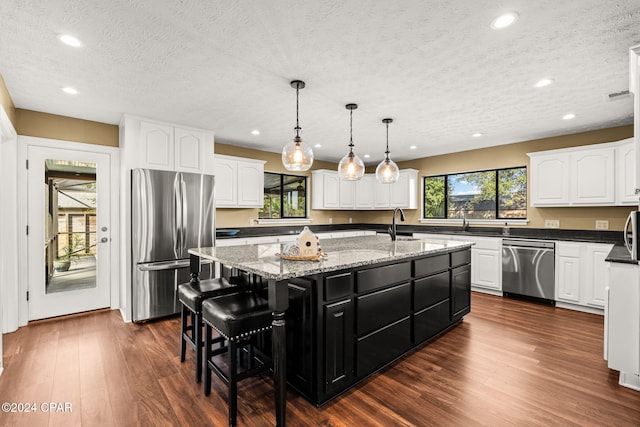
297,156
351,167
387,172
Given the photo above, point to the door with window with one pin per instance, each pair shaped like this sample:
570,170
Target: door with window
69,231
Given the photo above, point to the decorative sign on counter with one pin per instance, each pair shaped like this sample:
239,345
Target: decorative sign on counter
305,248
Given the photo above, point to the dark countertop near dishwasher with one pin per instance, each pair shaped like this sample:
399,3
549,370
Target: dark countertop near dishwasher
514,232
620,254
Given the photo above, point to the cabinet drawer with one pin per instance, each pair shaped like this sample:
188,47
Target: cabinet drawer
460,257
431,265
337,286
430,290
432,320
374,278
383,346
383,307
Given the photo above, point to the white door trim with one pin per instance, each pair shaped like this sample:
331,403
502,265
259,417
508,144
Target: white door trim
24,142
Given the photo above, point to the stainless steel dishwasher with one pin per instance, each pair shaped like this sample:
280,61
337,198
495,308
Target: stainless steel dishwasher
528,268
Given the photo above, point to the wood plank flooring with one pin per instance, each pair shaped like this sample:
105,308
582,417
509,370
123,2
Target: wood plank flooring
509,363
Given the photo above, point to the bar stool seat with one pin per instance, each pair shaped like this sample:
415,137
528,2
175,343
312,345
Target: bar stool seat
191,297
238,318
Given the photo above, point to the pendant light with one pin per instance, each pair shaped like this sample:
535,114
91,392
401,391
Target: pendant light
387,171
351,167
297,155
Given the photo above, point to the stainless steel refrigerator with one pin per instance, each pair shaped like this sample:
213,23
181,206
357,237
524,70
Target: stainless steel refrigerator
171,212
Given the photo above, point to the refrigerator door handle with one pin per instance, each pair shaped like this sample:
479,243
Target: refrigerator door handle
168,265
184,218
176,230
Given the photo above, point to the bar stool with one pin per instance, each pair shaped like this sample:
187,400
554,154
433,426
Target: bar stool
239,318
191,297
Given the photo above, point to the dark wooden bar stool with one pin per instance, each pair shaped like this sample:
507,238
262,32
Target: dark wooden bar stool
239,318
191,296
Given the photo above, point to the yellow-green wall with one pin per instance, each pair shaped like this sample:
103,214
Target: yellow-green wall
7,102
243,217
44,125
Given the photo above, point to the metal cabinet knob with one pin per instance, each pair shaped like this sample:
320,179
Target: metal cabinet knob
104,240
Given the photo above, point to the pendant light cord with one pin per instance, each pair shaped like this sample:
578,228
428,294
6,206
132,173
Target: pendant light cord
297,121
350,131
386,153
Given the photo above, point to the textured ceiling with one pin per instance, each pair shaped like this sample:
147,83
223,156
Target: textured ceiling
435,67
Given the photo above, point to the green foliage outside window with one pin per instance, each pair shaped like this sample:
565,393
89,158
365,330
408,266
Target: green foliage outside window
284,196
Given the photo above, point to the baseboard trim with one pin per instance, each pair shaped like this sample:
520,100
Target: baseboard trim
582,308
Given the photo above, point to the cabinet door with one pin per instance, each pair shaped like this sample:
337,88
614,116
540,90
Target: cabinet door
592,177
596,277
156,146
338,334
623,319
347,194
568,279
403,191
250,184
226,182
486,268
331,190
381,195
364,192
460,291
188,150
626,174
550,180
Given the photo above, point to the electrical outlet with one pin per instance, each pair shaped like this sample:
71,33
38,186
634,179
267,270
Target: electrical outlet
350,220
602,224
250,222
330,220
552,223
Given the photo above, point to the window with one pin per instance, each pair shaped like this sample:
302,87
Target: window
284,196
490,194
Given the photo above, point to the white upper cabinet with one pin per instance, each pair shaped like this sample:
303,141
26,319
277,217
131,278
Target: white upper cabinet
164,146
330,192
593,175
364,192
634,88
239,182
626,173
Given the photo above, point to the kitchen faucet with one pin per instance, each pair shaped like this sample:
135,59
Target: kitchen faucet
392,229
465,223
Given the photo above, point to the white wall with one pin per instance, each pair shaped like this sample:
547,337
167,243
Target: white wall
8,227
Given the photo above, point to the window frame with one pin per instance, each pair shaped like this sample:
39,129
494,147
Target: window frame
282,199
496,218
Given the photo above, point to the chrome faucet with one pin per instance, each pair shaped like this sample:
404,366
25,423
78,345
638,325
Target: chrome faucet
392,229
465,223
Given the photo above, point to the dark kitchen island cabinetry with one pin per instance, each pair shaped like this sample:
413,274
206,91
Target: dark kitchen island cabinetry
344,325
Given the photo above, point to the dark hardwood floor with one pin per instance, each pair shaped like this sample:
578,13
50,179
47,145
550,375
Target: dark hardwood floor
508,363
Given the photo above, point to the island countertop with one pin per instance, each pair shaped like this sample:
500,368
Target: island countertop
341,253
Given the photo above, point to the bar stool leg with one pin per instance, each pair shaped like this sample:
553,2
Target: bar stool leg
233,383
197,338
207,357
183,330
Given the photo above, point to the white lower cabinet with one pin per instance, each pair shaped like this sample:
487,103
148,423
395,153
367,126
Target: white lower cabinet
582,273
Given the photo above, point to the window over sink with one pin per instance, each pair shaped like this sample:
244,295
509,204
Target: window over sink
285,196
487,194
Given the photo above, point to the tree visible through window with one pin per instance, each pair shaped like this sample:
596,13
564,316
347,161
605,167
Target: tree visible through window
285,196
491,194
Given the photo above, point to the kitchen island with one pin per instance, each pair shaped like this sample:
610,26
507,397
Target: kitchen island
367,303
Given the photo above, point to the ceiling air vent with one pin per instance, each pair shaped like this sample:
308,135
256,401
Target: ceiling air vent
617,96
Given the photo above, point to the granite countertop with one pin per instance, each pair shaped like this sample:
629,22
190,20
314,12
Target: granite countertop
343,253
619,253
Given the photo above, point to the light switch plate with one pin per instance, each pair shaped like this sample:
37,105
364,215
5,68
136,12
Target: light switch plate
552,223
602,224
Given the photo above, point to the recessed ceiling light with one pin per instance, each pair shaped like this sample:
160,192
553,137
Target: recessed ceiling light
255,132
503,21
366,156
318,146
568,116
70,90
69,40
544,82
413,147
477,135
